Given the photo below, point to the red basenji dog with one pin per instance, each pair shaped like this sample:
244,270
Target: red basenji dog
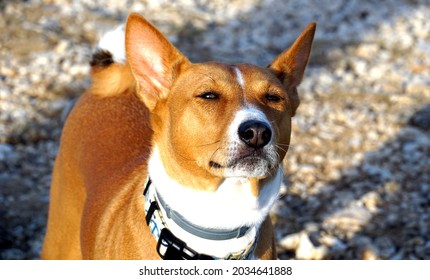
163,158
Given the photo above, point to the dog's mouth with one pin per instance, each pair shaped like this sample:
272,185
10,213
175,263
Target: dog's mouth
234,161
215,165
257,163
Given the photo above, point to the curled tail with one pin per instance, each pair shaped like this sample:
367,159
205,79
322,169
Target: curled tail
110,71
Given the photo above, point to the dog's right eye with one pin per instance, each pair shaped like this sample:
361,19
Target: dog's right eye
209,95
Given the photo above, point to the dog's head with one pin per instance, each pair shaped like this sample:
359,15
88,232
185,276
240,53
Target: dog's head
213,120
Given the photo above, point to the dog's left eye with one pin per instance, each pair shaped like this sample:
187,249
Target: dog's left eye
272,97
210,95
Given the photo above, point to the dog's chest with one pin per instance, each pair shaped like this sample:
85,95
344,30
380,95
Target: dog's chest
233,205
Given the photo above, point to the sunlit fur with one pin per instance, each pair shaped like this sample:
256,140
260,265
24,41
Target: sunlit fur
156,113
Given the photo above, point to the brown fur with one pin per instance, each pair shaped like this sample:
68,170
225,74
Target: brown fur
96,208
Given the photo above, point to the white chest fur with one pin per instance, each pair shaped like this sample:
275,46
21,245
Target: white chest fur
233,205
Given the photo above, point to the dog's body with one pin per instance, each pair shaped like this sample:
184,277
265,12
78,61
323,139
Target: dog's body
211,137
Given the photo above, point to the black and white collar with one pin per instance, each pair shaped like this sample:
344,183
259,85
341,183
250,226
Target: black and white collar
171,247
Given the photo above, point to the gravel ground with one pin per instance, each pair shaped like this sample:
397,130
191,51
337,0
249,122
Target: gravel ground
358,171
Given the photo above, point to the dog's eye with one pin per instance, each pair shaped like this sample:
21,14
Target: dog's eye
209,95
272,97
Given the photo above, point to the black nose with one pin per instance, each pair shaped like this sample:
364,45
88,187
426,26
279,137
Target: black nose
255,134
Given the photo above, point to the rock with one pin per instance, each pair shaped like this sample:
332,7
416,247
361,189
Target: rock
421,119
372,201
5,150
333,243
290,242
303,247
350,219
13,254
369,252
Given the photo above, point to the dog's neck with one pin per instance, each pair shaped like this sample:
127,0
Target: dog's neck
231,206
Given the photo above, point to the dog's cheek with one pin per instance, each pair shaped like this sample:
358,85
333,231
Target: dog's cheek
186,135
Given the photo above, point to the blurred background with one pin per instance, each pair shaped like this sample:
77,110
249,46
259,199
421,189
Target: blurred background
357,176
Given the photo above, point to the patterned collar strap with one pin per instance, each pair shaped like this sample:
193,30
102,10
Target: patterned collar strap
171,247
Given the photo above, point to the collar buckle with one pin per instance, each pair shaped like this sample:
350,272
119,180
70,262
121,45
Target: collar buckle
169,247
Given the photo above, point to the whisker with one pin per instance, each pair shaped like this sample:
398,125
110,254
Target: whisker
185,158
213,154
209,144
285,150
286,145
202,145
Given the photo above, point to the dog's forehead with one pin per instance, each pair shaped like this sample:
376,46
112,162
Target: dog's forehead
244,75
224,69
250,74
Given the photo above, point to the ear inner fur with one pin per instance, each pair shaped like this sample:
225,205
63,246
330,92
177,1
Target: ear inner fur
153,60
290,65
293,61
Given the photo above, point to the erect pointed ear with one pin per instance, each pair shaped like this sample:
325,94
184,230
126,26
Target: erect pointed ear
154,61
290,65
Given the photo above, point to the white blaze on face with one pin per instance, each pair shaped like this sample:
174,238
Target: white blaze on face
247,113
239,78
